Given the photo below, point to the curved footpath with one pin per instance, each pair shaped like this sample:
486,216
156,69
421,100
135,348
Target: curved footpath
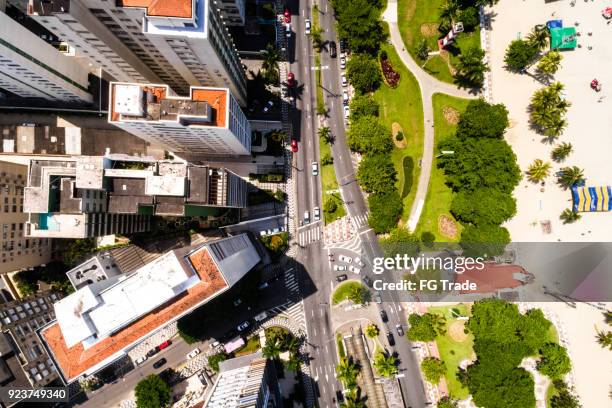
429,86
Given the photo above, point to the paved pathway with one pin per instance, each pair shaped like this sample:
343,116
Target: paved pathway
429,86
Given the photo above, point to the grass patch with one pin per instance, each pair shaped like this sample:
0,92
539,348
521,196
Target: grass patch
407,175
437,66
343,291
439,195
403,105
340,344
329,183
452,351
251,346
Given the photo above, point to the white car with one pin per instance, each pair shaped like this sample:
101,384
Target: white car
344,258
261,316
315,169
344,81
342,62
345,97
359,262
339,267
140,360
307,26
193,353
347,112
354,269
243,326
306,217
317,213
288,30
268,106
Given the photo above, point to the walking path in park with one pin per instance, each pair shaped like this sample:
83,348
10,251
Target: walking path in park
429,86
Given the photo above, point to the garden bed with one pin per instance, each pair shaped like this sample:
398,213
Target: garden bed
391,76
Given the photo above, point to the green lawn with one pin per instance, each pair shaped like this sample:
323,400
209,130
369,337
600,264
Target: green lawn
403,105
340,345
439,196
330,186
419,19
452,352
342,291
250,347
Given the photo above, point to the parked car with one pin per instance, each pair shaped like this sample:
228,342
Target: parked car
306,217
140,360
261,316
345,97
288,30
316,213
263,285
342,62
377,297
287,15
344,258
344,81
342,45
237,302
164,345
243,326
268,106
390,339
341,278
152,352
340,267
359,262
159,363
193,353
294,145
315,168
290,80
332,49
354,270
400,329
307,26
383,316
347,112
368,281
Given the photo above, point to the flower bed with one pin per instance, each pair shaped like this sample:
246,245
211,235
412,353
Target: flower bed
392,77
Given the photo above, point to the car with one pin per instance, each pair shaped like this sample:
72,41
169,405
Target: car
140,360
344,81
368,281
164,345
383,316
316,213
290,80
263,286
390,339
288,30
340,268
377,297
306,217
268,106
307,26
152,352
342,62
354,269
260,317
359,262
341,278
400,329
315,168
345,97
332,49
294,145
193,353
243,326
159,363
342,45
254,106
347,259
237,302
215,344
287,15
347,112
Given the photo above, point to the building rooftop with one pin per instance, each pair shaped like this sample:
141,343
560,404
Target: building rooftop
494,277
162,8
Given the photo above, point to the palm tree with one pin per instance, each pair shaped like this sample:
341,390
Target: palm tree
439,324
538,171
271,57
385,364
570,175
271,350
604,339
347,371
550,63
352,400
448,12
294,362
569,216
555,128
325,134
316,33
372,331
538,37
471,67
561,152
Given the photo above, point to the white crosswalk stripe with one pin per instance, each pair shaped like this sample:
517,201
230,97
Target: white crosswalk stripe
308,236
291,282
354,244
360,220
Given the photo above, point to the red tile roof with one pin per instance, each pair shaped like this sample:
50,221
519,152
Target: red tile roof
161,8
74,361
492,278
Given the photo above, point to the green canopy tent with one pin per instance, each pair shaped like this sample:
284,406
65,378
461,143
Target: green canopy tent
563,38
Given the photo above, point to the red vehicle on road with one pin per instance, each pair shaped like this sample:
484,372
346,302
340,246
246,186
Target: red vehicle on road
287,15
164,345
294,146
290,80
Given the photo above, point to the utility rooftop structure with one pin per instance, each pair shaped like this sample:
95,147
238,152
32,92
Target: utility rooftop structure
177,42
101,322
88,196
209,121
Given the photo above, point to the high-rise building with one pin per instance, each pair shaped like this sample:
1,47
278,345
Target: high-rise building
17,251
209,121
245,382
176,42
29,67
102,321
233,12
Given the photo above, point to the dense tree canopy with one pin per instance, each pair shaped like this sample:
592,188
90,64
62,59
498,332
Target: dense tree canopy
478,163
425,327
385,211
376,174
400,241
152,392
482,119
520,54
484,240
554,362
471,67
363,72
483,206
359,22
369,135
433,369
363,105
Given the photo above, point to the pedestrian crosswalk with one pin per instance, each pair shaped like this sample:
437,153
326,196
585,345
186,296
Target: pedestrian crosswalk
291,282
310,235
360,220
354,244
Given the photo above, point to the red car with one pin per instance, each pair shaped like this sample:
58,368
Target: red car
290,80
294,146
287,15
164,345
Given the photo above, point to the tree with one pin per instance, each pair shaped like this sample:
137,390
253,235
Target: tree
549,64
422,49
604,339
347,371
608,317
363,105
324,133
471,68
330,206
316,33
363,73
369,135
561,151
400,241
376,174
484,240
326,159
293,364
447,402
271,57
482,119
215,359
483,206
538,36
359,22
152,392
428,238
520,54
569,216
554,361
385,211
352,400
548,105
448,12
563,397
372,330
433,369
359,294
425,327
469,17
538,171
385,364
271,350
568,176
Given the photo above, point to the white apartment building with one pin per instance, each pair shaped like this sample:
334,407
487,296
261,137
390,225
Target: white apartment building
29,67
209,121
176,42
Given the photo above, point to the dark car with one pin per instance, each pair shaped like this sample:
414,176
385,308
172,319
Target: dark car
151,352
342,45
391,339
400,329
383,316
341,278
368,281
159,363
332,49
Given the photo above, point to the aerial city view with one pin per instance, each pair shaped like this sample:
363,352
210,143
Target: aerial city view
299,204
